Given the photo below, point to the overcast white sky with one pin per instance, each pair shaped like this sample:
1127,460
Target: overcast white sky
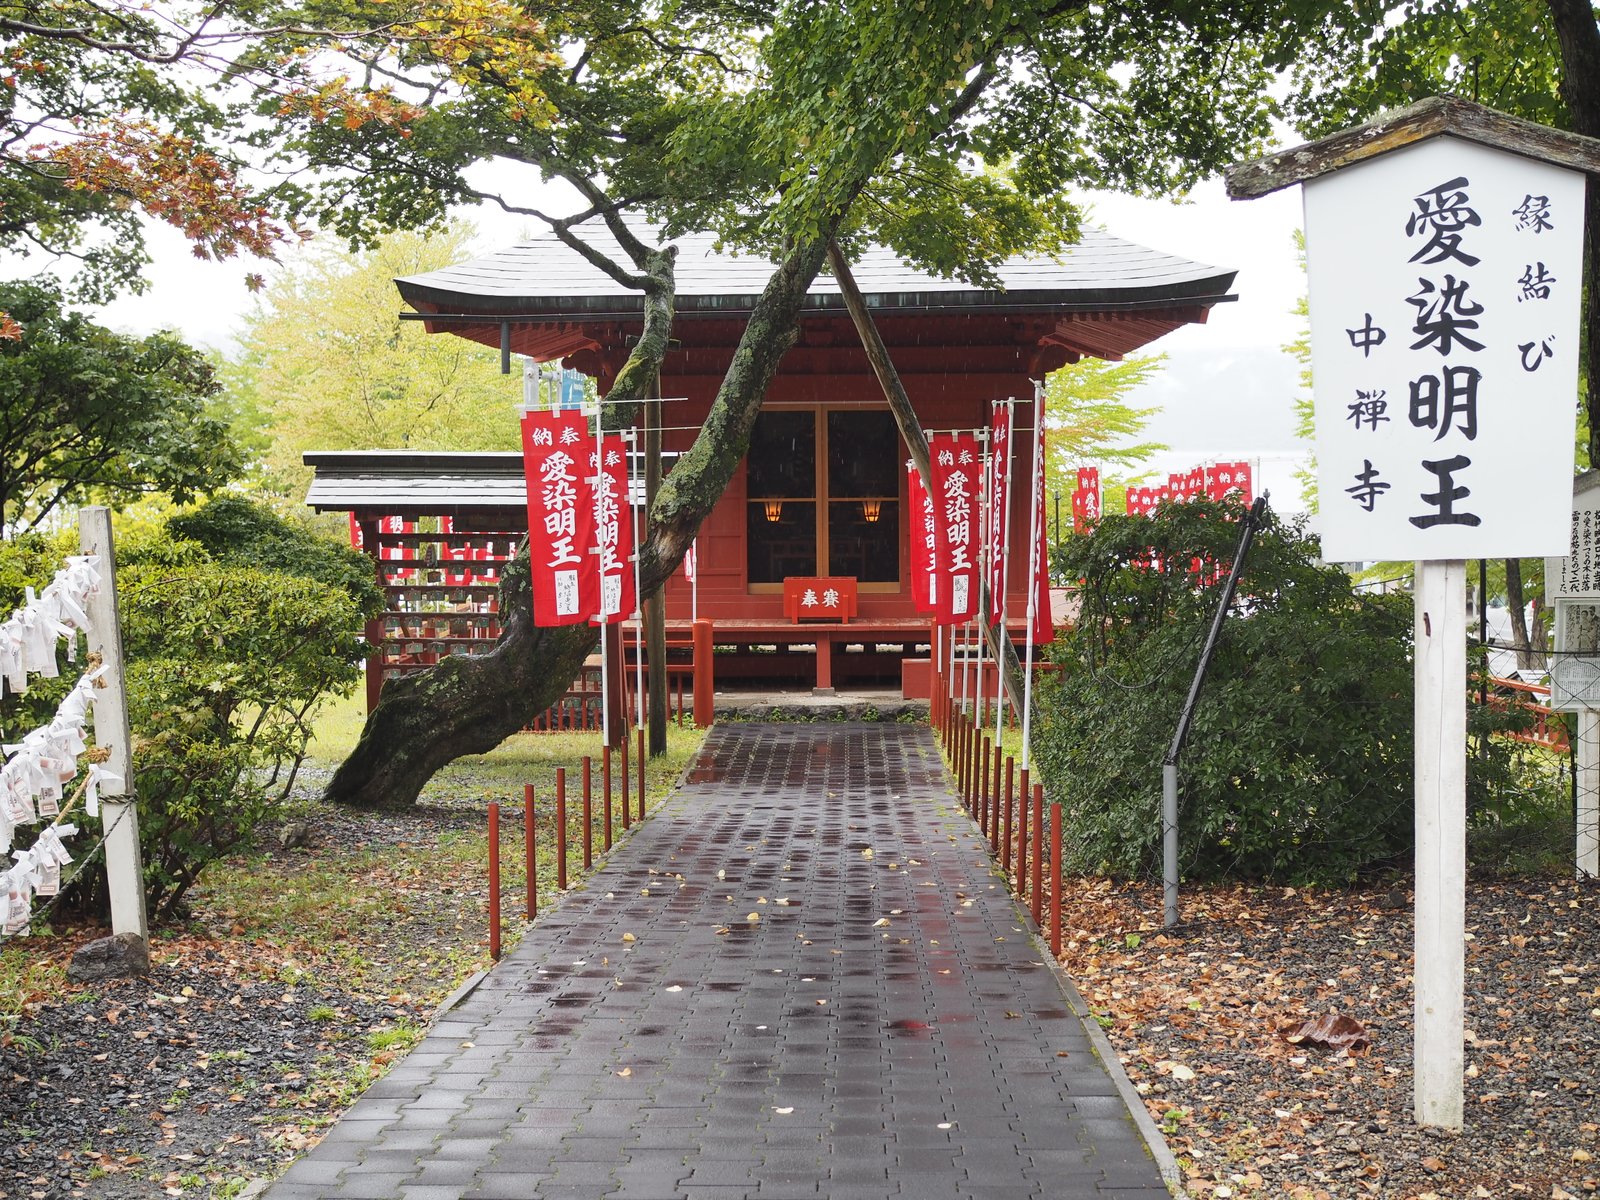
1226,392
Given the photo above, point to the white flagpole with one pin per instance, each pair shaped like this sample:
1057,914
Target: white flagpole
1033,572
1005,555
638,594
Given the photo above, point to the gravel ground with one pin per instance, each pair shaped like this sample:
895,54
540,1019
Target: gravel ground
1200,1019
178,1083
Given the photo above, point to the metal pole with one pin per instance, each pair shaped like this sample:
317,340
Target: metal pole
1033,572
494,881
1005,555
1169,767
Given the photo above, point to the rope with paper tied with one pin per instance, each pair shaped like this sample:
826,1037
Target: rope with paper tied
44,763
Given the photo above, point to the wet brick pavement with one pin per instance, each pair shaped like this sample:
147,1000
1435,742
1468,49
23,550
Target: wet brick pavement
885,1028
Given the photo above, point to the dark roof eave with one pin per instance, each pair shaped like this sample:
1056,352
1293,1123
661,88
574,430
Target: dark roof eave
1204,292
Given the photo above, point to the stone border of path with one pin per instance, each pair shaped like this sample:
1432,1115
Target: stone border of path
1107,1053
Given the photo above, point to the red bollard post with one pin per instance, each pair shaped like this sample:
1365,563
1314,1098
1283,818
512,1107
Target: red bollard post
1022,834
1004,847
981,807
588,814
680,701
1055,879
605,776
530,868
1038,854
994,800
642,776
705,694
627,809
561,829
494,881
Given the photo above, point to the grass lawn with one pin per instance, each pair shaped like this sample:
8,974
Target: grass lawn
394,902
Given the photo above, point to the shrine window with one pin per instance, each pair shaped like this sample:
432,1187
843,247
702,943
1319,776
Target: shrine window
823,488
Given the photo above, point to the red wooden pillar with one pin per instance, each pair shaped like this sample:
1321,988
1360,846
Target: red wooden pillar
824,662
705,693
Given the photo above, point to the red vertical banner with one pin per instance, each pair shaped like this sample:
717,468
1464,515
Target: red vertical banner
355,533
999,500
921,533
688,564
1086,500
956,479
555,452
1044,629
1225,477
613,531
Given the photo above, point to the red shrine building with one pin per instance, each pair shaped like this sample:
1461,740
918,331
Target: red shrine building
822,490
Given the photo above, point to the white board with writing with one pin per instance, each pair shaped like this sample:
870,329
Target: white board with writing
1445,287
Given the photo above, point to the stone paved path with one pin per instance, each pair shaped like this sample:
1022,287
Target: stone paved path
885,1028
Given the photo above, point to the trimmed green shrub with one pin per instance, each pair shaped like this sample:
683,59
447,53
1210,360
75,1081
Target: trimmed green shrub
1298,766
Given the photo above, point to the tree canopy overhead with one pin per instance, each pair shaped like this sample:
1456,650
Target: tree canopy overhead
948,130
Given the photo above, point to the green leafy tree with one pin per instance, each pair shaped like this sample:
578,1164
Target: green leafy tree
780,129
1538,59
1298,763
232,642
328,362
1092,423
85,412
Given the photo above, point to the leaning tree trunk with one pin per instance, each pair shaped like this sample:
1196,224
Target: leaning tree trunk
470,705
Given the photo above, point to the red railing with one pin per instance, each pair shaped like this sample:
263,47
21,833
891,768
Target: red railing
1507,694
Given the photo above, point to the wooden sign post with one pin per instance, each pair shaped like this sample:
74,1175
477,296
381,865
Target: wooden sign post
1444,252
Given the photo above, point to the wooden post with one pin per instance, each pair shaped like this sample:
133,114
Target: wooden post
642,776
530,866
1005,823
1441,863
1588,787
118,817
983,780
627,809
1022,833
1038,854
705,695
1055,879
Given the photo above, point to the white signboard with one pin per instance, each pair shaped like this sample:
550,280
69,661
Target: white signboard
1445,284
1578,574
